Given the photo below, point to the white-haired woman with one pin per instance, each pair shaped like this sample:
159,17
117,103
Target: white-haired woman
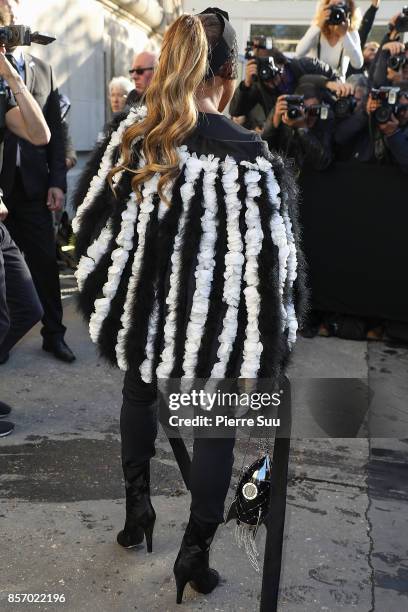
119,88
333,36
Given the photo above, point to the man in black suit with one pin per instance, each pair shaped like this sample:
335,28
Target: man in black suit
33,180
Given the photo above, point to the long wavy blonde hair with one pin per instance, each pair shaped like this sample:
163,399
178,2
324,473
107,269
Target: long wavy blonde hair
171,102
355,14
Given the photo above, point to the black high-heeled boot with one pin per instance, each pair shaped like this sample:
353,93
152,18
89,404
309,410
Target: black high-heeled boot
192,563
140,514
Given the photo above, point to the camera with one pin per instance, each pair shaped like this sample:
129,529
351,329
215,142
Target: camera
396,62
266,67
344,107
318,110
401,25
388,96
21,36
338,14
295,106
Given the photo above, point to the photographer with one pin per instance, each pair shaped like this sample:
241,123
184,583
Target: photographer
377,130
395,130
391,46
369,48
285,75
392,65
20,307
301,128
333,37
33,180
351,128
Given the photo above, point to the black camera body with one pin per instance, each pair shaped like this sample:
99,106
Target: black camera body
388,96
396,62
296,106
267,69
401,25
338,14
21,36
344,107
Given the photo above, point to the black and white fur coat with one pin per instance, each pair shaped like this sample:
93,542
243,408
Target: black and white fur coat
210,286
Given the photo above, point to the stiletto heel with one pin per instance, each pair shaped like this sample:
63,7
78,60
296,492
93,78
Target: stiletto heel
180,584
148,531
192,563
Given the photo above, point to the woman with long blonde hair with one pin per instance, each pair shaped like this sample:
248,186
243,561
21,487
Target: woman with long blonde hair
333,36
189,266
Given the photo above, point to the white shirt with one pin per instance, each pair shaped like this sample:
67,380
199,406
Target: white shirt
350,45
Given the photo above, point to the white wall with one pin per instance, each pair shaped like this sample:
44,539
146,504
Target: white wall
92,45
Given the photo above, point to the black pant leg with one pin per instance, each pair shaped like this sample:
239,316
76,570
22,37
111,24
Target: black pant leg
138,422
210,477
23,305
31,226
4,313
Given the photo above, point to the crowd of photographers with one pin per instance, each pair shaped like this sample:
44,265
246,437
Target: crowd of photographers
351,106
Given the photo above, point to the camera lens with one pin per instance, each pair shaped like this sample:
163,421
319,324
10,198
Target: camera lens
383,114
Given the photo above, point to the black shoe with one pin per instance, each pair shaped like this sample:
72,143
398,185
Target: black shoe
140,514
4,410
59,349
4,358
6,428
192,563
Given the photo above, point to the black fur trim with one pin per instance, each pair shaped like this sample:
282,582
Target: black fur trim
143,297
270,320
191,238
167,233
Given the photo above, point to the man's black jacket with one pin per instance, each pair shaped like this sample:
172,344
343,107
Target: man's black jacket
245,98
41,166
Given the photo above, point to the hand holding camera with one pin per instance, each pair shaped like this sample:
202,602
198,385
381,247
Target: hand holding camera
7,71
251,71
339,89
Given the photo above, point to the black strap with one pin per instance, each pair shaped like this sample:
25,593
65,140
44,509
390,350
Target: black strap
275,521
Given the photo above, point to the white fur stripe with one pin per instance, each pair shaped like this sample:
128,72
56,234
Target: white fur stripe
234,261
204,271
278,233
193,168
282,236
98,181
146,207
147,364
253,243
119,257
88,262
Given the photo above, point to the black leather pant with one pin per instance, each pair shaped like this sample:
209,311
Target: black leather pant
212,460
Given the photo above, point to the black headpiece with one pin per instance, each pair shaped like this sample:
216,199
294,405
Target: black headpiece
225,48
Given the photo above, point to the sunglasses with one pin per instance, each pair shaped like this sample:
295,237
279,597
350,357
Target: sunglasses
139,70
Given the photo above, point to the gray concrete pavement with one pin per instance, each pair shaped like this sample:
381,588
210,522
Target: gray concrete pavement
61,496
